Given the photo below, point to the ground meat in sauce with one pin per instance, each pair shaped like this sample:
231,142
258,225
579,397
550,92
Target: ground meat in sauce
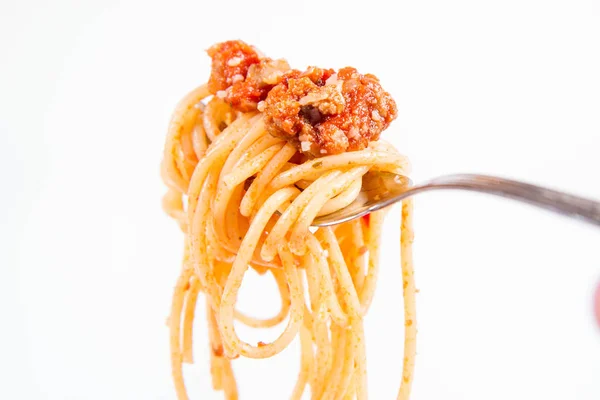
229,59
240,76
326,113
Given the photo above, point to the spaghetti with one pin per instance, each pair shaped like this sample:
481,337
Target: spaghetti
251,158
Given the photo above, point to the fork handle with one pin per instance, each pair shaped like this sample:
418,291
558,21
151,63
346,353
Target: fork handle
572,206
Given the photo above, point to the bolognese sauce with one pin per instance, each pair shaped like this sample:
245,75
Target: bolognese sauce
240,76
324,112
321,111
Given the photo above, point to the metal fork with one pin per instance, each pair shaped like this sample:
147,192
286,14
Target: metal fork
382,189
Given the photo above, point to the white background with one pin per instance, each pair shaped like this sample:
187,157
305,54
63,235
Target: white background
88,259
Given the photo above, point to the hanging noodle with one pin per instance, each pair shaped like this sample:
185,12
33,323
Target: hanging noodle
245,198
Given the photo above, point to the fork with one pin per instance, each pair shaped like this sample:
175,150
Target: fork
382,189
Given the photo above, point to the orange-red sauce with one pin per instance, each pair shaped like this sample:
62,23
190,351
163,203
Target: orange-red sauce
320,111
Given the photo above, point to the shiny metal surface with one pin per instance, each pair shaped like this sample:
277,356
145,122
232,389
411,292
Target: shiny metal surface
384,189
